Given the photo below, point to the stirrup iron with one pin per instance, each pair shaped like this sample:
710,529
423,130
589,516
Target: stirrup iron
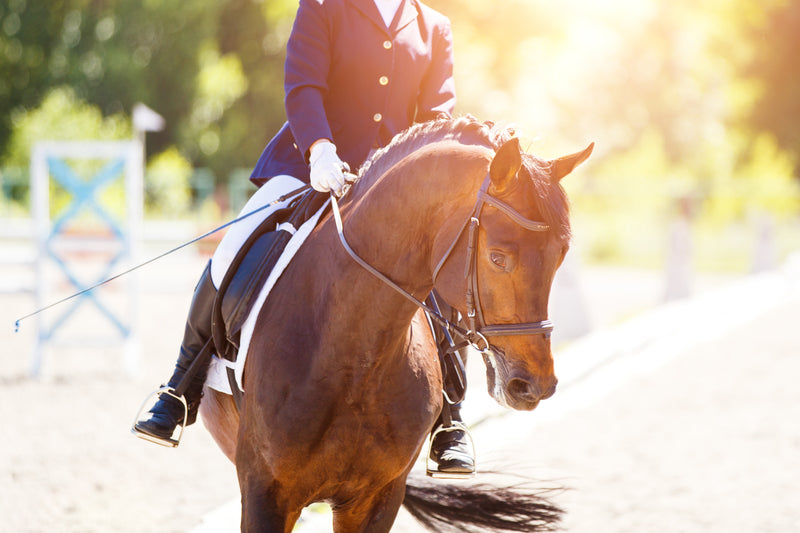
431,467
170,442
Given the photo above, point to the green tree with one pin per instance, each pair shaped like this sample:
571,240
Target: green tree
570,72
58,117
773,67
27,34
213,69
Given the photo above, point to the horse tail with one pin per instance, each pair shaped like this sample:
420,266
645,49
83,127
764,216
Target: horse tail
446,508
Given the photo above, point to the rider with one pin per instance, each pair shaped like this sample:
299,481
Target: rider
357,72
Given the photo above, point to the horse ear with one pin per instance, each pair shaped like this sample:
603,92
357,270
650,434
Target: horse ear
505,165
564,165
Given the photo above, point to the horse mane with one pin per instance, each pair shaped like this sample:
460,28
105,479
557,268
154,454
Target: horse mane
549,197
464,129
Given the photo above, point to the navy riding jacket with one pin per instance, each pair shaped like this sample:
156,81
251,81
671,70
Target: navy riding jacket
350,79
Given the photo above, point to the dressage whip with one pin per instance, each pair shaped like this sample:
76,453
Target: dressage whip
283,198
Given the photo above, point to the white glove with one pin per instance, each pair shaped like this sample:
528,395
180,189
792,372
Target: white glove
327,170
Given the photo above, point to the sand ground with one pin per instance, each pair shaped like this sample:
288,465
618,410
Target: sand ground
706,440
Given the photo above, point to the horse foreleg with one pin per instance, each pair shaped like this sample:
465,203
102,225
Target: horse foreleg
265,504
374,513
221,419
261,510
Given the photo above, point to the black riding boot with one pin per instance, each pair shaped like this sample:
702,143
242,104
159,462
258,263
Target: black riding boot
168,412
451,446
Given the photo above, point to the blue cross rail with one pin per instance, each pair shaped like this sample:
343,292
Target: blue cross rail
85,195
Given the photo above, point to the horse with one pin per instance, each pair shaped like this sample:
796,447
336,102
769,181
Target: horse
342,382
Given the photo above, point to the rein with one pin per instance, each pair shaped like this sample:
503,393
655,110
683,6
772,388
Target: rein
433,313
478,329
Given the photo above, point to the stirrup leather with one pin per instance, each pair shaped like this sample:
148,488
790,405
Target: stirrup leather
431,468
170,442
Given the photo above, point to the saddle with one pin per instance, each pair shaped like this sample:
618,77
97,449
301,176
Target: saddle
251,267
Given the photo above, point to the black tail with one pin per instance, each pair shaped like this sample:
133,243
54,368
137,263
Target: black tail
445,507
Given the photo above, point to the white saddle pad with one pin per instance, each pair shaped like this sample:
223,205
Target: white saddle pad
217,373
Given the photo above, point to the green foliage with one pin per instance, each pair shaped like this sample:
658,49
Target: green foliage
159,52
220,82
773,67
27,33
567,72
14,187
762,182
691,102
621,202
61,116
623,205
167,185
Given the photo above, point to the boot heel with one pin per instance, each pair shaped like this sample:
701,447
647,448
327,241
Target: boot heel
172,441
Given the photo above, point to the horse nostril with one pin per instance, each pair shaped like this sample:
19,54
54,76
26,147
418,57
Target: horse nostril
550,390
524,390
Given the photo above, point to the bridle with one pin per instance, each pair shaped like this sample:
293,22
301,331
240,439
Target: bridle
475,318
478,331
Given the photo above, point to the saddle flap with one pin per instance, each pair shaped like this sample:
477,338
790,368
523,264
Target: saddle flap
252,272
252,267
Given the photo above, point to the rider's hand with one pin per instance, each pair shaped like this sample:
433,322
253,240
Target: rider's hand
327,170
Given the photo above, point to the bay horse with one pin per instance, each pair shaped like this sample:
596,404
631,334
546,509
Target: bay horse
342,381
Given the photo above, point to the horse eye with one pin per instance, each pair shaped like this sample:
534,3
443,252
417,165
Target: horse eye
498,259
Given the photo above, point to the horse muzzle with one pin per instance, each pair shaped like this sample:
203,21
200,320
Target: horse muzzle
515,390
525,395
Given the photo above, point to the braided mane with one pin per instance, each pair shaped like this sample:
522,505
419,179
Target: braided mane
465,129
549,198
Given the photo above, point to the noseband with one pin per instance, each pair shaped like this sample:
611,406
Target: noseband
478,329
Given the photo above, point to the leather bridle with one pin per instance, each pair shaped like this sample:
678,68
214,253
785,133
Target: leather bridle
475,318
478,329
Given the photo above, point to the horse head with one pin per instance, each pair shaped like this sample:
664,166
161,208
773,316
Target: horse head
515,240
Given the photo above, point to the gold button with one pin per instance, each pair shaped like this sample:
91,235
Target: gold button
383,80
377,117
387,44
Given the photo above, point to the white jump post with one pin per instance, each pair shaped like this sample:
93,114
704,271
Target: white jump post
679,272
765,251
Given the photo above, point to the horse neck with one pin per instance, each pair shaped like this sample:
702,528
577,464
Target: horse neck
395,224
391,226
